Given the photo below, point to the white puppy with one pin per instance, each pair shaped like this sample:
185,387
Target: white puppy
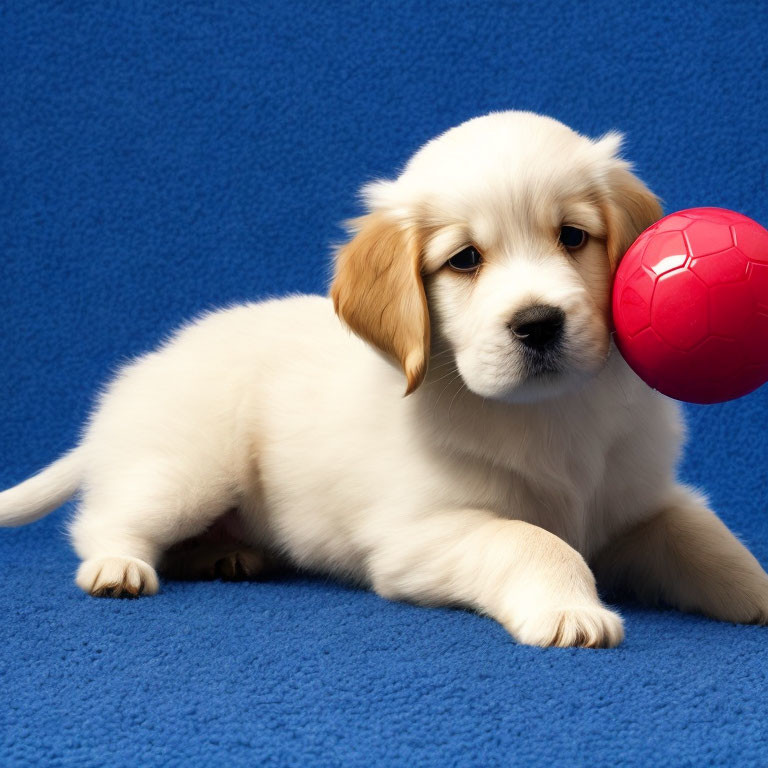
524,450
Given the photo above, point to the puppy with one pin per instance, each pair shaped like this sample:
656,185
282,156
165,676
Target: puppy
525,456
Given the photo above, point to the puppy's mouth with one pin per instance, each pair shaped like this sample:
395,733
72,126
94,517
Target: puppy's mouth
546,364
566,358
549,373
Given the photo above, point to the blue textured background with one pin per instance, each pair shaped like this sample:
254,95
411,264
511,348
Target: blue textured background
160,159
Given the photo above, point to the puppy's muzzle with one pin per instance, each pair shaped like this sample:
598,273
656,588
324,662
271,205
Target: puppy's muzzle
539,330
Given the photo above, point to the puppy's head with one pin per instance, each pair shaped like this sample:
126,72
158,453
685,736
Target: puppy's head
495,246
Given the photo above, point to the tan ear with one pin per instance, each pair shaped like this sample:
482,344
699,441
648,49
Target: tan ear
629,209
378,292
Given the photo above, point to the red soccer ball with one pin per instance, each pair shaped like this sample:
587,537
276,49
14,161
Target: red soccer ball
690,305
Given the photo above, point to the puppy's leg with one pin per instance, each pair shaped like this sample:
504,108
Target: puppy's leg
532,582
127,521
686,557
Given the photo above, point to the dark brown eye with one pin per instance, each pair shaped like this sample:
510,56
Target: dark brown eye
467,260
573,238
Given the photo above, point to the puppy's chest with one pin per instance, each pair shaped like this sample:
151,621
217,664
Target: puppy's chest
553,480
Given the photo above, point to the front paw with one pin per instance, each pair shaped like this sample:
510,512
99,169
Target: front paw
743,605
587,626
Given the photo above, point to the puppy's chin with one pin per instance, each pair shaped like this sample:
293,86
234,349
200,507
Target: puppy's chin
546,386
534,386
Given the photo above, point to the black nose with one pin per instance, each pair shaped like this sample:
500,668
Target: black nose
538,327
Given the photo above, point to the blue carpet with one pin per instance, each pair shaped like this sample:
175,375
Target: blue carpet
158,159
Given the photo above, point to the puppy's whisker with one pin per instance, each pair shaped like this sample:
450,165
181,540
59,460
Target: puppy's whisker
442,378
437,401
451,366
455,395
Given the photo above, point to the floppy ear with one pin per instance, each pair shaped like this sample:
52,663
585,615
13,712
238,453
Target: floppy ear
629,209
378,292
628,205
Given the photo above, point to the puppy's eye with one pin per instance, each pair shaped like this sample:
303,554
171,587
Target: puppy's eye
467,260
573,238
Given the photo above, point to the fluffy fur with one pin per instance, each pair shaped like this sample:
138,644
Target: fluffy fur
269,429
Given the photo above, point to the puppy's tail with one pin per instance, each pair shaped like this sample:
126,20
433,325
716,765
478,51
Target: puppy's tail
43,492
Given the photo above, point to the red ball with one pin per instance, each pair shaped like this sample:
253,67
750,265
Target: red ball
690,305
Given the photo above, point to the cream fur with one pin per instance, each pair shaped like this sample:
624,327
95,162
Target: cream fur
484,487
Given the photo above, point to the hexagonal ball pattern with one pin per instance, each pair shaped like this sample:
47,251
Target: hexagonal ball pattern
676,223
752,240
704,238
690,305
635,302
680,309
664,252
728,266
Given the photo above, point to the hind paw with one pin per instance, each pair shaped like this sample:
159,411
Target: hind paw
241,565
